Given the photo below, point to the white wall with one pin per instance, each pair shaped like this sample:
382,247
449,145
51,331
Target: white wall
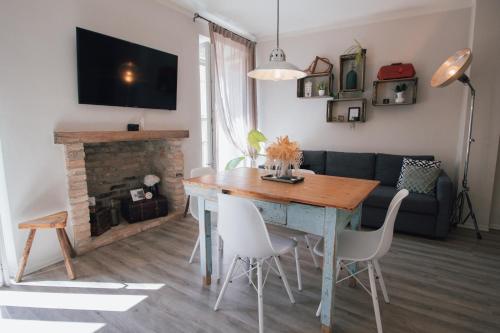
38,94
485,76
430,127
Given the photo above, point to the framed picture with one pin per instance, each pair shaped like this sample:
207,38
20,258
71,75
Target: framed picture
137,194
354,113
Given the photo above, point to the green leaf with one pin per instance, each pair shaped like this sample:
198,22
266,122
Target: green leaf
255,138
234,163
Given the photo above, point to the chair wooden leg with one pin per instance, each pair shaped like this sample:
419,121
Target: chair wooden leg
186,209
66,254
26,253
373,288
72,252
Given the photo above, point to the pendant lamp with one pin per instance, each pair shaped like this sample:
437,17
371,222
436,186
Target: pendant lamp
277,69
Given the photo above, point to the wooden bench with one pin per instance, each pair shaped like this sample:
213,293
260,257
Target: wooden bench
55,221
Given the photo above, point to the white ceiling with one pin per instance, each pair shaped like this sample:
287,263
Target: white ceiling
257,18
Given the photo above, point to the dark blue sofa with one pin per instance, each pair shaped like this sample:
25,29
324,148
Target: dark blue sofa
425,215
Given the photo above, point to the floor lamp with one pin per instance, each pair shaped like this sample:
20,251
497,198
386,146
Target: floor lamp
451,70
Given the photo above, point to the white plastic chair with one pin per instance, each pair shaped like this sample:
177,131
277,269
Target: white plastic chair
307,239
193,203
369,247
244,233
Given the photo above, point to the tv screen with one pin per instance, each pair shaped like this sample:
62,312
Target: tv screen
115,72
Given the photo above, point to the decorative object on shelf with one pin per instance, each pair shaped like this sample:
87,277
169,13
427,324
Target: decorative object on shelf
132,127
396,71
137,194
152,181
383,88
277,69
319,66
354,113
282,156
321,88
337,112
451,70
137,211
400,90
148,195
352,68
308,88
255,139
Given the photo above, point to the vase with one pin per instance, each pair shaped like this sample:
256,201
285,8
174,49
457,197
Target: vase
351,80
399,97
321,92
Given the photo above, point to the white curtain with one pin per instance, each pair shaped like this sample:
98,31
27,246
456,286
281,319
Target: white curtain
234,92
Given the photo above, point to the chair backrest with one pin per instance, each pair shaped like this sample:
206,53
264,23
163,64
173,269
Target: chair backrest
241,227
193,201
387,230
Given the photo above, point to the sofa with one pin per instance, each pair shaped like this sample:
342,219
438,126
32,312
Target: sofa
419,214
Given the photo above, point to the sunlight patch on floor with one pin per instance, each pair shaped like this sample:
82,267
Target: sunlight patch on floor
18,325
93,285
69,301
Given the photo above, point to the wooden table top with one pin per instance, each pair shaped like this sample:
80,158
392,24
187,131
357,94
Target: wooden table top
317,190
57,220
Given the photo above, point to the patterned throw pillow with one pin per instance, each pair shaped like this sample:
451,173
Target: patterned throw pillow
419,176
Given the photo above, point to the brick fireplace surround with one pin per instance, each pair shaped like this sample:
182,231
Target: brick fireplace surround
90,173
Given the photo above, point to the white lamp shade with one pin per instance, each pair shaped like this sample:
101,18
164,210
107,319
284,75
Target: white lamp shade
277,71
452,69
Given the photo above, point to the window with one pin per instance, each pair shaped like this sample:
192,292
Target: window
205,103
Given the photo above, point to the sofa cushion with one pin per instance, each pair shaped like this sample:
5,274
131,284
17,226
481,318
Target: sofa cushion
354,165
414,203
419,176
314,160
388,167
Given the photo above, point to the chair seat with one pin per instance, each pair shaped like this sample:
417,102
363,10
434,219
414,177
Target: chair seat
281,244
353,245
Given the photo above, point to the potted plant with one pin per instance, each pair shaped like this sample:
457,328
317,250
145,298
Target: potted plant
399,90
321,88
255,139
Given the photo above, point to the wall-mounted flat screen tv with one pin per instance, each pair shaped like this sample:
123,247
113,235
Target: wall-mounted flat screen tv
115,72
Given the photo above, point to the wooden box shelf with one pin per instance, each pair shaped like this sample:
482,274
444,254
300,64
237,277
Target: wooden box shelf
334,111
315,79
384,89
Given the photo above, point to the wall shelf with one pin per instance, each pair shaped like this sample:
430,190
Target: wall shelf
336,113
327,78
382,89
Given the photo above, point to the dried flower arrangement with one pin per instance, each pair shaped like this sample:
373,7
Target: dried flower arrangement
283,156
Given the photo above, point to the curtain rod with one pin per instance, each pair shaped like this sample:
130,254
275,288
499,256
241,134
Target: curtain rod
198,16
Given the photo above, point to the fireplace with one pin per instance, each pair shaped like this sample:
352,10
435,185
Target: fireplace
107,165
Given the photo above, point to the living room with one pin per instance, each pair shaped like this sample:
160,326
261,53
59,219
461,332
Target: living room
379,112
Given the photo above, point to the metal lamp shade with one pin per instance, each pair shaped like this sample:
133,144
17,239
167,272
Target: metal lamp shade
277,71
452,69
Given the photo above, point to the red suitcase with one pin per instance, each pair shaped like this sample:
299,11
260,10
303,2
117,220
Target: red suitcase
396,71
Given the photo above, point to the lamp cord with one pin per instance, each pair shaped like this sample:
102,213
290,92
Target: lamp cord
278,24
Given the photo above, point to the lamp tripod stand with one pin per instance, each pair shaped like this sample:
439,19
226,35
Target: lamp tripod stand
454,69
463,197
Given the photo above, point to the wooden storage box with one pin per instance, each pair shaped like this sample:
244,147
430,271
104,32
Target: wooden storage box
100,220
144,210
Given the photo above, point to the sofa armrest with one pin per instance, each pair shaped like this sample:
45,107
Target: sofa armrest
445,196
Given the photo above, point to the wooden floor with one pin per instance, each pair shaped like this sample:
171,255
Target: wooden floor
434,286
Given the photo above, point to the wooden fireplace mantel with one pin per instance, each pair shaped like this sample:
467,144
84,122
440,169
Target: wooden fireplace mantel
113,136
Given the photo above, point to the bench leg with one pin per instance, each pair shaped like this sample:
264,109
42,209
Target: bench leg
66,253
72,252
26,253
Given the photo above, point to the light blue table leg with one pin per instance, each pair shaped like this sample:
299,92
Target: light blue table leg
205,227
356,226
335,219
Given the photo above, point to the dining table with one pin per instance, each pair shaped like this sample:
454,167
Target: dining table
321,205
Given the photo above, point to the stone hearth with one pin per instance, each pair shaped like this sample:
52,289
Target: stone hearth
108,164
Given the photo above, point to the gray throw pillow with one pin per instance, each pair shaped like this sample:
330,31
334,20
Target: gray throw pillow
419,176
